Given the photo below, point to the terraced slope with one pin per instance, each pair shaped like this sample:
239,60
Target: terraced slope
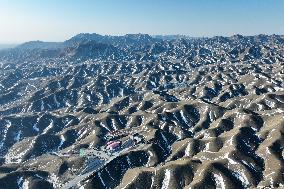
207,121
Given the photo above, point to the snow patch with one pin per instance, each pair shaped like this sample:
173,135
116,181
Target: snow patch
8,125
35,128
23,183
62,140
48,127
220,184
183,118
187,150
241,177
166,180
54,180
56,101
17,138
102,181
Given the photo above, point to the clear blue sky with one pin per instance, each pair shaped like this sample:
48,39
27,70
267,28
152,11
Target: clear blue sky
57,20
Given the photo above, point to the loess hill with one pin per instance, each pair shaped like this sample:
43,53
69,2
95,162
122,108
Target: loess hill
210,111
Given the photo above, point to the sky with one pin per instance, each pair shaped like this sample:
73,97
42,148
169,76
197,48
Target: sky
58,20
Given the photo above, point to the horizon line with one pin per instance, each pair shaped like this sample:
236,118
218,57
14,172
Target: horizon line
152,35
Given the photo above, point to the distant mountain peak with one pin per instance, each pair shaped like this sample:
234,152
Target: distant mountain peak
39,45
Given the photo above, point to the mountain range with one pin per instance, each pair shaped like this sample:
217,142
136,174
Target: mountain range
141,111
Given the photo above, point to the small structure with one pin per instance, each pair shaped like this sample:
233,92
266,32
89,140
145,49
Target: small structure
137,138
113,145
82,152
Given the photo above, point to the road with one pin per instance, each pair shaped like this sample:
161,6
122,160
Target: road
97,160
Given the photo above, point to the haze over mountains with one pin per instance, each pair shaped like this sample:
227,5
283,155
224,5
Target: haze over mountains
7,46
209,112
